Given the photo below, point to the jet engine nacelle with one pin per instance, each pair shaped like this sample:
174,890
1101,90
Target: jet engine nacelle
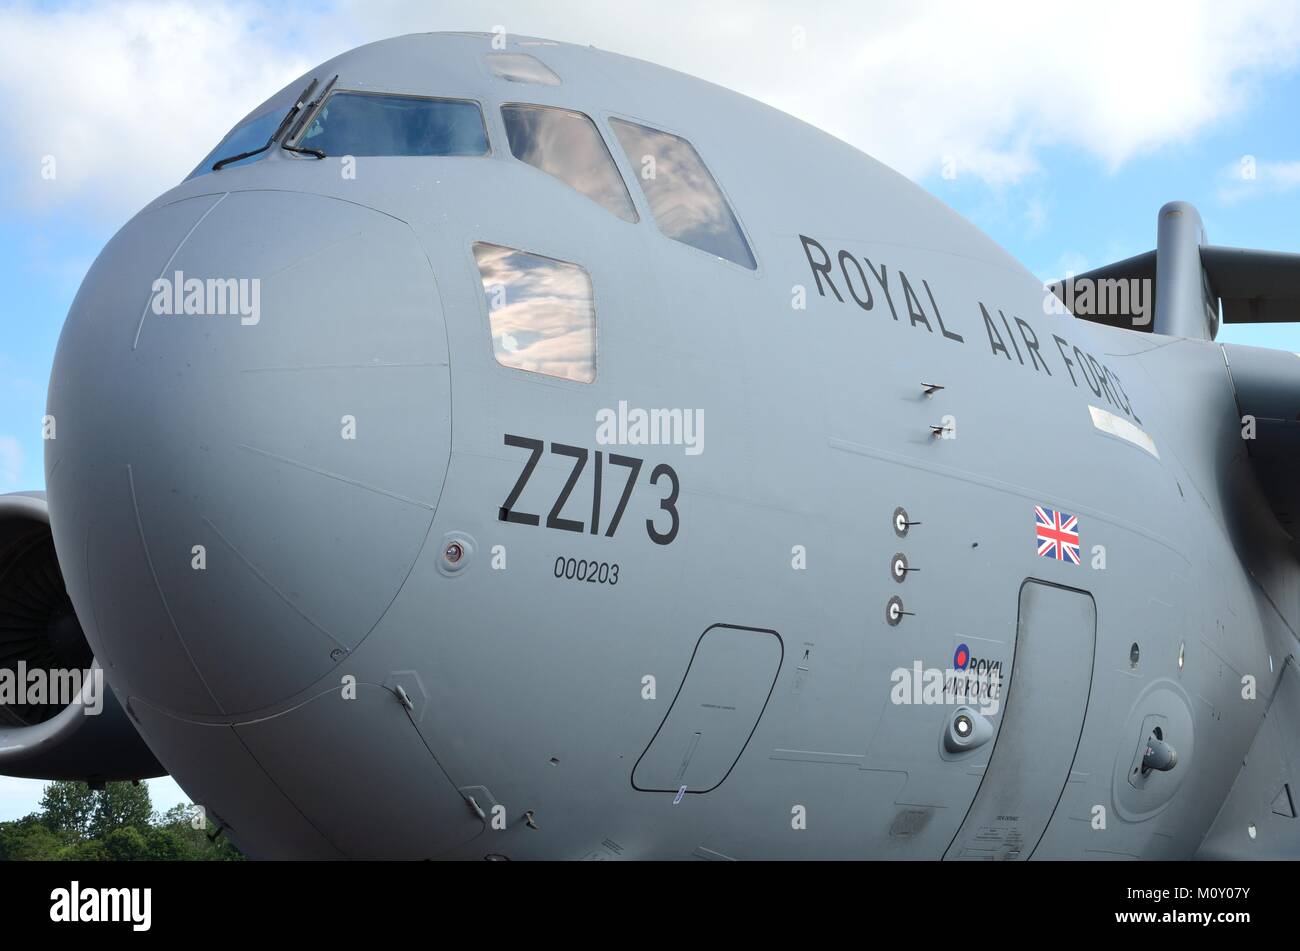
58,719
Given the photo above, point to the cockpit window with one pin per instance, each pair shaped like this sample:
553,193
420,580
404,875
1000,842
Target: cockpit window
367,123
686,202
567,145
245,137
521,68
540,311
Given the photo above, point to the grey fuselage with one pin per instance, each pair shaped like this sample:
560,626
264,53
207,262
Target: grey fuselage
495,683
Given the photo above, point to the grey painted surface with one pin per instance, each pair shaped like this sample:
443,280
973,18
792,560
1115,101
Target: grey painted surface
1258,820
324,556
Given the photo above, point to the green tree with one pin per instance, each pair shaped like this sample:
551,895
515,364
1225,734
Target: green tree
126,844
175,830
67,808
28,840
116,823
84,850
119,806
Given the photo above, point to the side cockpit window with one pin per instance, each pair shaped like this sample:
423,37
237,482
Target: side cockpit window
566,145
540,311
367,123
686,202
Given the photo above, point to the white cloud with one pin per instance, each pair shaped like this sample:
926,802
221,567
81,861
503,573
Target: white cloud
914,83
1250,177
11,463
129,96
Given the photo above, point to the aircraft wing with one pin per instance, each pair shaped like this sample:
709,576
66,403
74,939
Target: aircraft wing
1248,286
1251,286
1254,286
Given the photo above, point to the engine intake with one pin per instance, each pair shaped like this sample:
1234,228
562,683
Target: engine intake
45,735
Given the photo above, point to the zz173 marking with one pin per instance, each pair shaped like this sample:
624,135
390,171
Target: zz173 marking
662,472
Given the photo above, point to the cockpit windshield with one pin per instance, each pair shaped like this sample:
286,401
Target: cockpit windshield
366,123
245,137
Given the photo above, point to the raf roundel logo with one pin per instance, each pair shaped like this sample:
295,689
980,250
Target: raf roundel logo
961,657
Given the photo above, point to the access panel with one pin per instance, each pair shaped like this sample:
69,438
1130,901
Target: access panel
716,710
1042,720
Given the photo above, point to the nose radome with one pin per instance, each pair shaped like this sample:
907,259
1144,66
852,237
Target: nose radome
252,403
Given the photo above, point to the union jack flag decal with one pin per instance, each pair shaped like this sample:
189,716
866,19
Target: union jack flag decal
1058,534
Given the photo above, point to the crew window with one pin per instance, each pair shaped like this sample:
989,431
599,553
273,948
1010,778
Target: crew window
244,137
521,68
566,145
367,123
686,202
540,311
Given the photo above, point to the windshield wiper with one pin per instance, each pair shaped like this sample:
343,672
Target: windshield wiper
284,124
307,113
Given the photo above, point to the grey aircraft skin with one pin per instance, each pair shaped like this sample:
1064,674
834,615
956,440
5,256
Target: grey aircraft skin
329,559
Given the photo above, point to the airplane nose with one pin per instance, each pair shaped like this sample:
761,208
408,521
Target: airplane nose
250,406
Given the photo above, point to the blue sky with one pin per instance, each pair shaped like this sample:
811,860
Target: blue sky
1068,125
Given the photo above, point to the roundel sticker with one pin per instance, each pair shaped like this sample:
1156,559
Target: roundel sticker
961,657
